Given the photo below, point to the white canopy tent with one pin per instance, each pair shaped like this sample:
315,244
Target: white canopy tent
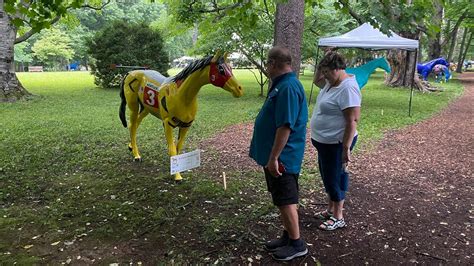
367,37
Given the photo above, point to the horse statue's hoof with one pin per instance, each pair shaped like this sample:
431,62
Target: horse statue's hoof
138,159
177,182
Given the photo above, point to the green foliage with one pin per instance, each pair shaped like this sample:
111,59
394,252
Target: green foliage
235,26
399,15
21,55
322,21
178,37
79,36
39,15
136,12
53,49
123,43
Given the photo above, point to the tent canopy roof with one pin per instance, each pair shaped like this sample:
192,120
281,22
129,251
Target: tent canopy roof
368,37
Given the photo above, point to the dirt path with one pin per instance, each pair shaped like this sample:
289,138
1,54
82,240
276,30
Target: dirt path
410,199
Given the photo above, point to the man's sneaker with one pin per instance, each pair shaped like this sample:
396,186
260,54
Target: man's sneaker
294,249
275,244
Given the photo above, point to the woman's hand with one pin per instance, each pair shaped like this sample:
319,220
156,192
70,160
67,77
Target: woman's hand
346,155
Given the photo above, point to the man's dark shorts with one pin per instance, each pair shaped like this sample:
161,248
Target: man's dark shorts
284,188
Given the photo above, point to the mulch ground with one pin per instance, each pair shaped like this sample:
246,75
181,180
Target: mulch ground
410,198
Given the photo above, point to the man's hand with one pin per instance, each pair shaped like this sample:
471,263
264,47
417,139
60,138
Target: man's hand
272,167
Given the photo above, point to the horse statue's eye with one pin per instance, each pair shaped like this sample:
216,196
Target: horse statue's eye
221,70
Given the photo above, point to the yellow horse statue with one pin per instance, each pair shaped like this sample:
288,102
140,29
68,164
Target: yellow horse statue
174,99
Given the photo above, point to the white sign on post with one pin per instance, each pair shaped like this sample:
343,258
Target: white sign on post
185,161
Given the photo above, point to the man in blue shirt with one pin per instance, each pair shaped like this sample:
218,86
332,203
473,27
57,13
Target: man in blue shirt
278,144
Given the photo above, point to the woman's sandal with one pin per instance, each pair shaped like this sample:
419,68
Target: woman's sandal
324,215
336,223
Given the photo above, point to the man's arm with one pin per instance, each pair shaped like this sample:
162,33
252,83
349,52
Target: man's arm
281,138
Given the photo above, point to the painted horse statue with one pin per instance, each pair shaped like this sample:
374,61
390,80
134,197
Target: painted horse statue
363,72
424,69
174,99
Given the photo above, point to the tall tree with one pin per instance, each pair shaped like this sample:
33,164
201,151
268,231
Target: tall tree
53,49
289,25
452,44
434,42
465,45
456,12
10,87
32,16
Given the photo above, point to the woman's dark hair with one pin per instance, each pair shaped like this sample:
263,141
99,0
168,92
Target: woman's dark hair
333,60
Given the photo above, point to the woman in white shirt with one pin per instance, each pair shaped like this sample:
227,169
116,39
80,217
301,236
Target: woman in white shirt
334,132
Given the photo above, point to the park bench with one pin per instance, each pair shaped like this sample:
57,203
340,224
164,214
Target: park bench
35,69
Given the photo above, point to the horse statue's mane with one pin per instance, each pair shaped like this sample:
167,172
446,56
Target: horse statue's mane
364,71
192,67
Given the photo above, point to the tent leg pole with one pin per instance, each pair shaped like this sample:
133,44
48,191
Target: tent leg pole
412,83
314,73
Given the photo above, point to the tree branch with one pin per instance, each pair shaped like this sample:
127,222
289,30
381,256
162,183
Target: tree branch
215,9
259,66
267,11
94,7
455,28
356,16
30,33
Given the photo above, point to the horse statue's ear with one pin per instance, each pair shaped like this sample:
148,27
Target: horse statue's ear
216,56
226,54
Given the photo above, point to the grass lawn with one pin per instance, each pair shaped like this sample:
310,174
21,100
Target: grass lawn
70,191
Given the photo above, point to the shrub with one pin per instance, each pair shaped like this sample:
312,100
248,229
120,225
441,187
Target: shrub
125,44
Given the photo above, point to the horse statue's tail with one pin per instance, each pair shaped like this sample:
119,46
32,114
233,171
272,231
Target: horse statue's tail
123,104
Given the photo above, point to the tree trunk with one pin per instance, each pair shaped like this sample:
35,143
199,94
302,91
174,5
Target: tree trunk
420,51
460,57
403,67
434,43
402,71
11,89
289,22
467,47
452,45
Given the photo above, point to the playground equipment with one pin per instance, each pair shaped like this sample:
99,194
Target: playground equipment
174,99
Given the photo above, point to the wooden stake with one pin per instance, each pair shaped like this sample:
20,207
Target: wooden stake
225,181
